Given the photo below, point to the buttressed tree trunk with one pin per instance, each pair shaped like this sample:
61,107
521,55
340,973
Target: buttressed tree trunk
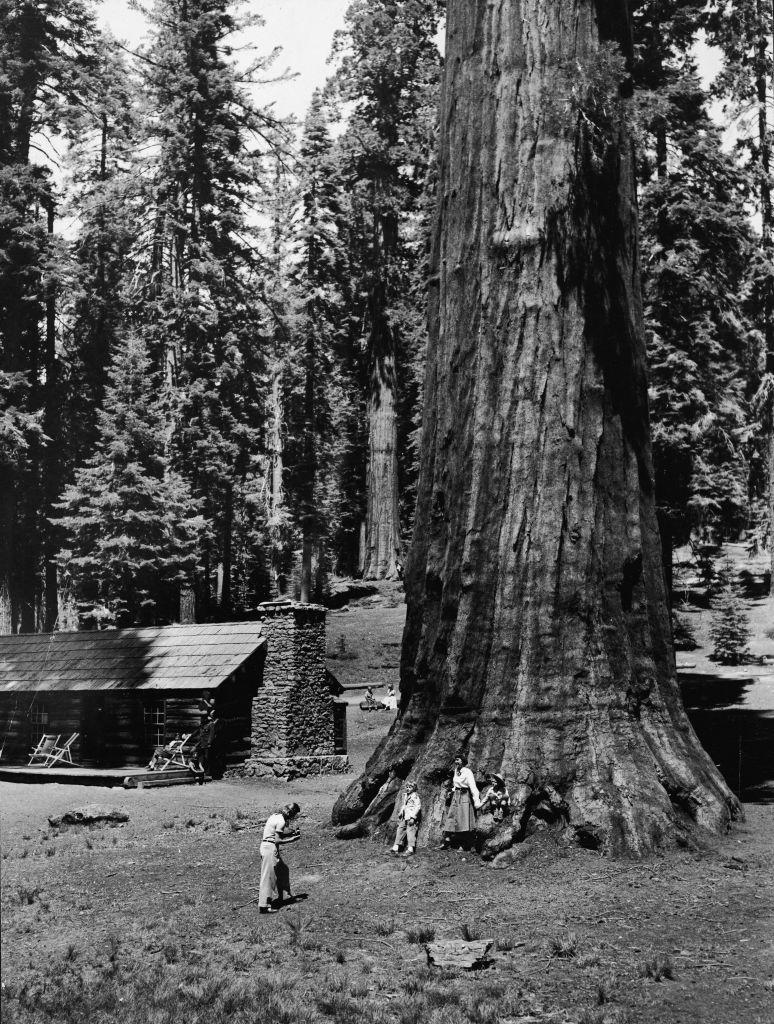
537,636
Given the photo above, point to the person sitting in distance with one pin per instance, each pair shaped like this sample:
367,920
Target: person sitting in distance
497,799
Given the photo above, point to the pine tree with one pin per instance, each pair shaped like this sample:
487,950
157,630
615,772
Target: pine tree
101,197
316,324
204,277
388,72
46,58
132,528
743,32
696,246
730,625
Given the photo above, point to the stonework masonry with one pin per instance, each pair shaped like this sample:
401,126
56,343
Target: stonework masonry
292,718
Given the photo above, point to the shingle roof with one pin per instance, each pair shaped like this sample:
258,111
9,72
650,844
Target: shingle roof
196,657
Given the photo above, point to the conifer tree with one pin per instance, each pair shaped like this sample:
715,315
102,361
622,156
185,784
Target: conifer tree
132,528
730,625
315,327
742,29
203,274
388,72
696,245
101,198
46,57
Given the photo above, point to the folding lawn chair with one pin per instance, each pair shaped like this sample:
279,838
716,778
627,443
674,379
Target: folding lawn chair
40,755
63,753
175,753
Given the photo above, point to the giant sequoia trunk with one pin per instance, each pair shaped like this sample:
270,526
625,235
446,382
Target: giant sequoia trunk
538,636
382,528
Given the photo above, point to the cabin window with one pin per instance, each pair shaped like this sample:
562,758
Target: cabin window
155,720
38,720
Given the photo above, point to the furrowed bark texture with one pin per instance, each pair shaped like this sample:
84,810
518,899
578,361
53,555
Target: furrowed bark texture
382,542
537,636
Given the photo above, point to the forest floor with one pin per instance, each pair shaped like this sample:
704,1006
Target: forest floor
152,921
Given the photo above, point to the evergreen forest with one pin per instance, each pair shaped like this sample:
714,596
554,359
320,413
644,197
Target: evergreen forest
213,319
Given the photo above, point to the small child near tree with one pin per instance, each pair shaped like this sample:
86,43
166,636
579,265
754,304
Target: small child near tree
497,799
408,821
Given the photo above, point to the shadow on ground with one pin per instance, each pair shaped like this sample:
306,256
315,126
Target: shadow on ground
740,741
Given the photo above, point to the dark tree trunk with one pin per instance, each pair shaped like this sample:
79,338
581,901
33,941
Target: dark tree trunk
309,459
764,148
537,636
52,465
275,489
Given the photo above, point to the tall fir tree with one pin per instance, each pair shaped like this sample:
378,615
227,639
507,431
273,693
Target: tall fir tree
696,245
388,73
322,397
132,528
47,54
730,625
742,30
203,273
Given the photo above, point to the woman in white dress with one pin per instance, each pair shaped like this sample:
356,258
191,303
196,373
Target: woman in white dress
274,836
460,817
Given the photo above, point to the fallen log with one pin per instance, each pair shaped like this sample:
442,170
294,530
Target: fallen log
92,814
459,954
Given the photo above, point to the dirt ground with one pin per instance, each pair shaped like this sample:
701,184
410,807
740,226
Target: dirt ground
152,920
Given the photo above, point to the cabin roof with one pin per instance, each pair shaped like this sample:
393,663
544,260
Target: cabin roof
191,657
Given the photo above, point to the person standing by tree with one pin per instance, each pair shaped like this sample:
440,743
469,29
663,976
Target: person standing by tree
274,836
461,813
408,821
537,628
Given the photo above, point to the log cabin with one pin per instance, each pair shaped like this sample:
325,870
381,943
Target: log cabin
126,691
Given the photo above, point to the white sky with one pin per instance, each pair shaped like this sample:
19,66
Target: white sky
303,28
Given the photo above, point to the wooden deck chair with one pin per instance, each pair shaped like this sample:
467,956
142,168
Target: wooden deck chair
40,754
62,753
172,754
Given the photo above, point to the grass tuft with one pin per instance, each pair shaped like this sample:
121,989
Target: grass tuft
418,936
27,894
657,968
564,947
297,926
385,927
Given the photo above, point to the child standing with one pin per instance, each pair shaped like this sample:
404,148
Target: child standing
408,821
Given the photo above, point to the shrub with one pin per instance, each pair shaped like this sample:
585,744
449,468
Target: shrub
683,633
564,947
657,968
27,894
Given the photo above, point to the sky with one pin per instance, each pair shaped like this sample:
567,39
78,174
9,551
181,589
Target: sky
303,28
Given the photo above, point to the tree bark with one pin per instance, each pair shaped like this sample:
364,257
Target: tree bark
382,528
537,635
53,453
764,148
276,490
